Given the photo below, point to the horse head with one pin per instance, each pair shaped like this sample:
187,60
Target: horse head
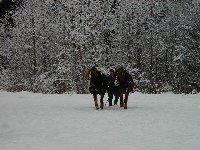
119,76
92,75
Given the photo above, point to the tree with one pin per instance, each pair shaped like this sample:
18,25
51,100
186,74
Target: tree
53,43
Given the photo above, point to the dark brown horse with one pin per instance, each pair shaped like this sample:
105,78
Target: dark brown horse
124,85
97,85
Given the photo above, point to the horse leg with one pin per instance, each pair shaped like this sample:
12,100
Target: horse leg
101,101
110,97
121,100
116,93
95,101
116,99
126,100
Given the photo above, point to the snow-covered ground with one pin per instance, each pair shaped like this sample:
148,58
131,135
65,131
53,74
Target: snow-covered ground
69,122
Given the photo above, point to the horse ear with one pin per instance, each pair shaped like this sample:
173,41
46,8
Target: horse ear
121,69
87,73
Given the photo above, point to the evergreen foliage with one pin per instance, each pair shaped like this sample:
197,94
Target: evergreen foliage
54,42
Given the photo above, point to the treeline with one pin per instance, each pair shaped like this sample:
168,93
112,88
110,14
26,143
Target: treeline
53,43
6,6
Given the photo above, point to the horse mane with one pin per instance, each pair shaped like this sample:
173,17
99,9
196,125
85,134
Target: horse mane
128,75
93,69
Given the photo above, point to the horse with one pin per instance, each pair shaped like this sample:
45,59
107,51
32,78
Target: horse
124,85
97,83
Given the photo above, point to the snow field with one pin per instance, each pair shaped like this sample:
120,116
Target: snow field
31,121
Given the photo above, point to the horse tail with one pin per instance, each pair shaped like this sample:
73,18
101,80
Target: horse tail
133,86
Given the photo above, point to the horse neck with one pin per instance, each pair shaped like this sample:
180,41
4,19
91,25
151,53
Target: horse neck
125,77
97,76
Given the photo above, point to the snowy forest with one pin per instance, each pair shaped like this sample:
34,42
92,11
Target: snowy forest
47,46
